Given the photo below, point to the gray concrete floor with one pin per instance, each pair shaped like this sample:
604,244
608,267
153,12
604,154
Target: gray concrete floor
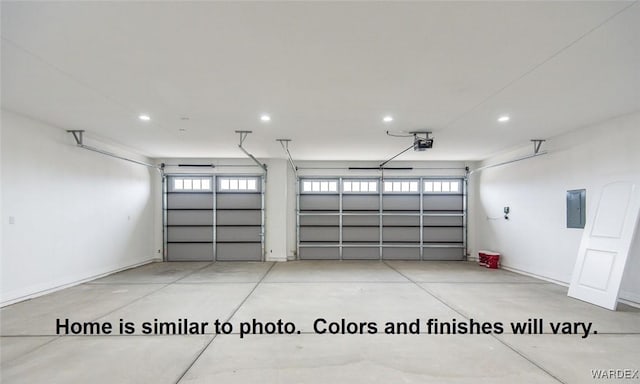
301,292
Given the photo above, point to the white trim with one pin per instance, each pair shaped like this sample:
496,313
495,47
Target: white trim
625,297
630,303
74,283
629,298
550,280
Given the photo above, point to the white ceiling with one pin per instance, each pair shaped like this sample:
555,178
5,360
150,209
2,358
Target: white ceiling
326,72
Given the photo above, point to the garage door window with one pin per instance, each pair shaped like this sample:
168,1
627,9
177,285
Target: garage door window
227,184
320,186
359,186
191,184
401,186
442,186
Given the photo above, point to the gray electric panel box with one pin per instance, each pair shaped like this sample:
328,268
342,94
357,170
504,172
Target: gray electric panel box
576,211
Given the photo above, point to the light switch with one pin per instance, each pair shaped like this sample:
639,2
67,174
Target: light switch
12,220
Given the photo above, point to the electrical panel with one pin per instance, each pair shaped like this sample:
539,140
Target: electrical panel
576,208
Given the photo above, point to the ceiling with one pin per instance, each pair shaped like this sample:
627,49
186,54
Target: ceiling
326,73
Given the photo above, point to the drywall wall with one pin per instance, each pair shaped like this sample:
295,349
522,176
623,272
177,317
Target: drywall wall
276,203
535,239
2,217
68,214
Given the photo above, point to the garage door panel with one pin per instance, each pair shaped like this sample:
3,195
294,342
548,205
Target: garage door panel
239,201
361,234
360,202
190,217
190,234
238,234
190,252
443,254
361,220
400,253
352,253
320,234
400,203
239,217
319,220
400,220
400,234
442,203
442,220
319,203
442,235
238,252
190,200
319,253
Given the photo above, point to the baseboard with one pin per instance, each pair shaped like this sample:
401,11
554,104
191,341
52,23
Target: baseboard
625,297
629,298
73,283
520,271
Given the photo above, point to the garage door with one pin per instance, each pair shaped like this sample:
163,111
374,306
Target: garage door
214,218
391,219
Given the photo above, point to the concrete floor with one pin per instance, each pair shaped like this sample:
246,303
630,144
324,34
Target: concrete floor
301,292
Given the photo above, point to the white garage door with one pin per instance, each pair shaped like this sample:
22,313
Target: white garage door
214,218
400,219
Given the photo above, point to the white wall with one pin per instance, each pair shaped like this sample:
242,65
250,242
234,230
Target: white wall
276,203
77,213
535,239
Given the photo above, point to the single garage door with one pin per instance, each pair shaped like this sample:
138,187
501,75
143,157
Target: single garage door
214,218
394,219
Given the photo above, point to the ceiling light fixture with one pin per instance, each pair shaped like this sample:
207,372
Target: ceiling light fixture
387,119
503,119
265,118
144,117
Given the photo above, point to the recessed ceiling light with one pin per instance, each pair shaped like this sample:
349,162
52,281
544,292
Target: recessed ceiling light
387,119
265,118
144,117
503,119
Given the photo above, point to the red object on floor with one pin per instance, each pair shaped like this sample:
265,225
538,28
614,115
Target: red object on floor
489,259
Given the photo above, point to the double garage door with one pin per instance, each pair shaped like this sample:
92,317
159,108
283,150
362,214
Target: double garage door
401,219
214,218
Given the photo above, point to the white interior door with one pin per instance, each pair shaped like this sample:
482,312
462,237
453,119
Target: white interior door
605,243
